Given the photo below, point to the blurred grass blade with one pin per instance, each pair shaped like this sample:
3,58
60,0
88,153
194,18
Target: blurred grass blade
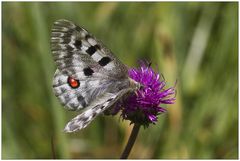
43,38
198,44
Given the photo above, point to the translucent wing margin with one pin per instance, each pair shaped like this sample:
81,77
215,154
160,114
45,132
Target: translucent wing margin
97,107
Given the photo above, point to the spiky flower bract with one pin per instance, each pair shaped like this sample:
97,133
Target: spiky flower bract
144,106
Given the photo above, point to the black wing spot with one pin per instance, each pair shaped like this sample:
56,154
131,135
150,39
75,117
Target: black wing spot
63,90
87,37
88,71
67,98
73,105
97,47
79,29
94,114
78,44
82,101
69,48
104,61
66,40
91,50
110,99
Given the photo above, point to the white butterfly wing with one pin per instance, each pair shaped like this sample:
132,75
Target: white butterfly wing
88,75
79,55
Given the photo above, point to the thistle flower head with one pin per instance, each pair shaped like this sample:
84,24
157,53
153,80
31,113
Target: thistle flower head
144,106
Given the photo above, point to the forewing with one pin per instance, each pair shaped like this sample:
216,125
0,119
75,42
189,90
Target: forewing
79,55
74,49
97,107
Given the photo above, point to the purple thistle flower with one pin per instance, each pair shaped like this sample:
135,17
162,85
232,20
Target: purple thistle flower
144,106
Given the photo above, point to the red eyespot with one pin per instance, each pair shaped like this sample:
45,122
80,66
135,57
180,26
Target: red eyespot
73,82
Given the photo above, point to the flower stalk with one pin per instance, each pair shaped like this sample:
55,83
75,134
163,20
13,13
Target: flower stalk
131,141
143,107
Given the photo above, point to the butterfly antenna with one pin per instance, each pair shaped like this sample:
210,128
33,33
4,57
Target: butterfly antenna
175,83
149,64
162,76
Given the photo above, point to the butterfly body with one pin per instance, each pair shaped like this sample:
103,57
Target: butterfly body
88,76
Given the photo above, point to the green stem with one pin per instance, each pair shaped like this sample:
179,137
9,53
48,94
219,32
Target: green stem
131,141
53,148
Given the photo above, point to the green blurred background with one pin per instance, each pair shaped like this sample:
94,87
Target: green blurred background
195,43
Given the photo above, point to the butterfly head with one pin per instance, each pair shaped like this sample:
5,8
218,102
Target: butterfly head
135,85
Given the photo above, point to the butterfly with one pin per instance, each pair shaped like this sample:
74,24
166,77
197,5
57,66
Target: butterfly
88,78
